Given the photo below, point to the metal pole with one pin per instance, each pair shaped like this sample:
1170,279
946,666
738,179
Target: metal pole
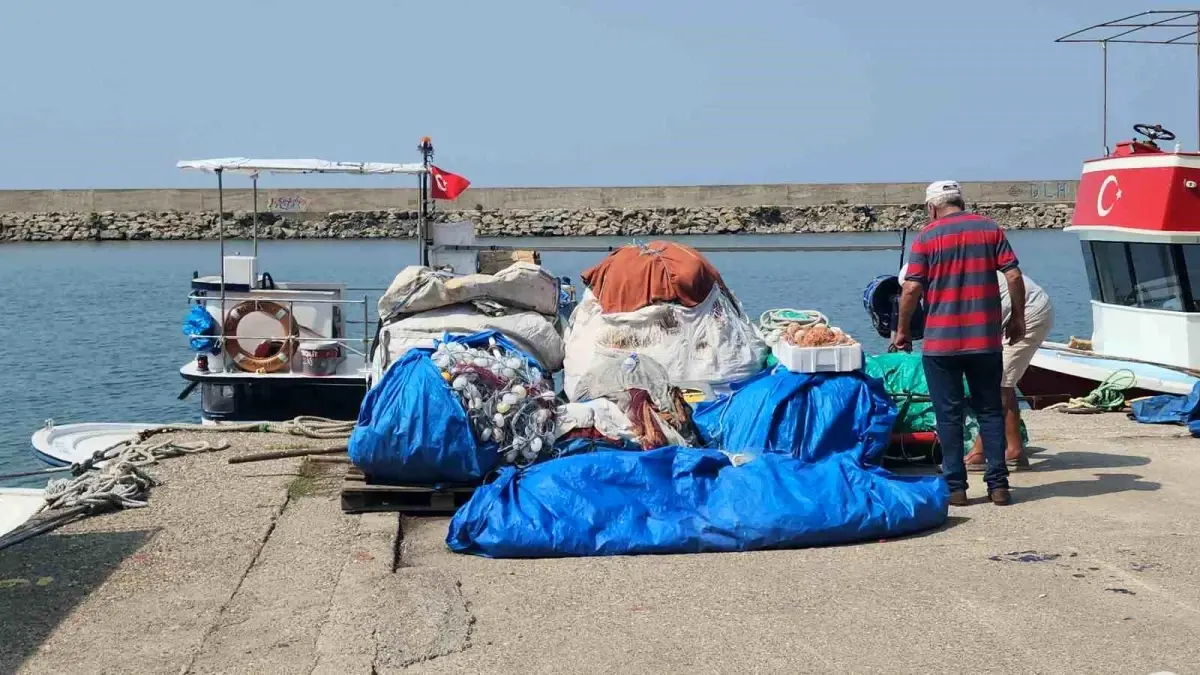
1198,79
221,235
1104,49
423,221
254,222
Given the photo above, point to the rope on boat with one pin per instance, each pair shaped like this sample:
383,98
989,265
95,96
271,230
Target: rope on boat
1108,397
123,483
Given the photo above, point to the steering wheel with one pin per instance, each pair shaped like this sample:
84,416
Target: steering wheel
1154,133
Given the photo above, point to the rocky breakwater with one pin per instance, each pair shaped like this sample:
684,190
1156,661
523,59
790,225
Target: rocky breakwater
173,225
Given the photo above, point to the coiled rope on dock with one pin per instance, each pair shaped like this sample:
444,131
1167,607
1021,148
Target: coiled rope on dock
115,478
1108,397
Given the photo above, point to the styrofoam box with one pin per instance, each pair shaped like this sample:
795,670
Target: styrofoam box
838,359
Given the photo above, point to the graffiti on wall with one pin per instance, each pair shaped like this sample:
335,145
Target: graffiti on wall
1053,191
287,203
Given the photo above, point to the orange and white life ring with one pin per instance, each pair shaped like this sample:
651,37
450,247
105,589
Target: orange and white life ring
247,360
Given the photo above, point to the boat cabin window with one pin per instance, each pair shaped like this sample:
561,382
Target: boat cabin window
1191,272
1138,274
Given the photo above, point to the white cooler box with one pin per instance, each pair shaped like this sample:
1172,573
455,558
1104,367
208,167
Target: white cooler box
838,359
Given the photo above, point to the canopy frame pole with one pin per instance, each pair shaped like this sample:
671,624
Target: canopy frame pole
221,236
426,150
1104,100
254,217
1141,28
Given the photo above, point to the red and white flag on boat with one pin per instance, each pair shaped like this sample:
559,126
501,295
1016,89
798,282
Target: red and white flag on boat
446,185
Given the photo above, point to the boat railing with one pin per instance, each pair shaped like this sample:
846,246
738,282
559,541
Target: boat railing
345,342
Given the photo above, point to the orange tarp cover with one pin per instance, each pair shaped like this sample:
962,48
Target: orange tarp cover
633,277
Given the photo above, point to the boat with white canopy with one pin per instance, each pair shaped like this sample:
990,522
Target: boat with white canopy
272,349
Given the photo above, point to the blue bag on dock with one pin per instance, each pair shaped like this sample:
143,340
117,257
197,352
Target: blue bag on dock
412,428
690,500
1170,409
807,416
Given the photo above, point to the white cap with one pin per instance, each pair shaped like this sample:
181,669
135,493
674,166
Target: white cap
942,187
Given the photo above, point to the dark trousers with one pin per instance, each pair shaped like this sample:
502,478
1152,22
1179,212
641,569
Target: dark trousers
944,375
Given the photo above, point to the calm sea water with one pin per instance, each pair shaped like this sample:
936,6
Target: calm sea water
91,331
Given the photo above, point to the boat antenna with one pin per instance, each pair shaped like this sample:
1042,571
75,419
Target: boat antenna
426,150
1145,28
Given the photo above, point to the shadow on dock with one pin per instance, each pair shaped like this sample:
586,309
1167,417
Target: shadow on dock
1104,483
1076,459
43,579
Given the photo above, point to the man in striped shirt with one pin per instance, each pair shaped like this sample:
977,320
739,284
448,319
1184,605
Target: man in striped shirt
954,261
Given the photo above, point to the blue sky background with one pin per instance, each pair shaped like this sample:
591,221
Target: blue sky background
574,92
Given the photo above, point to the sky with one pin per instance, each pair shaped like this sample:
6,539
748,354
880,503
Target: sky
574,92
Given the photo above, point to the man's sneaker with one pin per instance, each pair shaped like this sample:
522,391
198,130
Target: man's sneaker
958,498
1000,496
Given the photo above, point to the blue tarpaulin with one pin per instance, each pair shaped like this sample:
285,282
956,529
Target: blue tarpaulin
1170,409
686,500
798,467
412,428
807,416
199,323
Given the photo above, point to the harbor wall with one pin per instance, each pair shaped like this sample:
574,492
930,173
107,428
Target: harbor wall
73,215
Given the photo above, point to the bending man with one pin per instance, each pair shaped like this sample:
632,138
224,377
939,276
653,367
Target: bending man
953,261
1039,319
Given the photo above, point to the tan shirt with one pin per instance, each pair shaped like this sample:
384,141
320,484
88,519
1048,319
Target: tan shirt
1037,303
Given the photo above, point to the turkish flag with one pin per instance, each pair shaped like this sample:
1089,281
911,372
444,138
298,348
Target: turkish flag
446,185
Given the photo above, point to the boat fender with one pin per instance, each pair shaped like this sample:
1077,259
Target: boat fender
248,361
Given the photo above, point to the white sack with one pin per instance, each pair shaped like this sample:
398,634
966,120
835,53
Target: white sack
521,285
601,414
712,343
529,331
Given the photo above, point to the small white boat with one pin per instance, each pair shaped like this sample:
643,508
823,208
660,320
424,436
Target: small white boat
18,505
70,443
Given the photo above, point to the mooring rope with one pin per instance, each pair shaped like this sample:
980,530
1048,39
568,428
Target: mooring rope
1109,396
115,478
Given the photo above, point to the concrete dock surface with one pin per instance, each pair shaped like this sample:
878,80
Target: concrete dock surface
253,568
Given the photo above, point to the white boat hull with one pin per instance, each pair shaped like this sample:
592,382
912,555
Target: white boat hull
70,443
1057,373
18,505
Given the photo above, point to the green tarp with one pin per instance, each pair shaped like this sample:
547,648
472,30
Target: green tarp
902,373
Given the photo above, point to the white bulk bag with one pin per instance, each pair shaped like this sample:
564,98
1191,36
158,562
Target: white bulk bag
521,285
711,343
529,331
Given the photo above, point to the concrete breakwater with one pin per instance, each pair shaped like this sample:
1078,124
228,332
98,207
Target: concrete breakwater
401,223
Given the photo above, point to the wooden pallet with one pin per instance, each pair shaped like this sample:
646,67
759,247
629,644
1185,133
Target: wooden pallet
361,495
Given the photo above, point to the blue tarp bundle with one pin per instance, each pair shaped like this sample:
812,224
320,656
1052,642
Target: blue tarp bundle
807,416
412,428
814,443
686,500
1170,409
199,322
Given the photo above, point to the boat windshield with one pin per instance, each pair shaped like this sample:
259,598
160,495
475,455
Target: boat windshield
1146,275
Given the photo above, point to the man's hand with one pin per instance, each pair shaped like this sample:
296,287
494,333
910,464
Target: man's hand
902,341
1016,330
